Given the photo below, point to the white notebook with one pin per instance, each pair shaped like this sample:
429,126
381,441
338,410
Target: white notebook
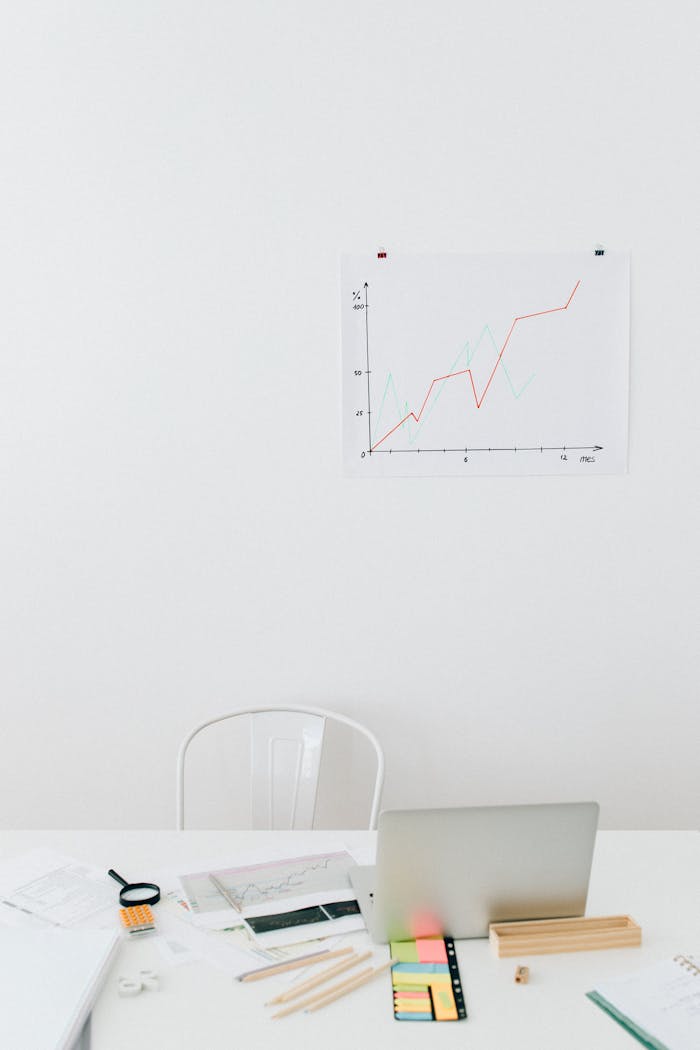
50,980
660,1005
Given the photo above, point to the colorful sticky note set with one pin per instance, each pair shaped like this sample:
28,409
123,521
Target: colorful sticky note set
425,980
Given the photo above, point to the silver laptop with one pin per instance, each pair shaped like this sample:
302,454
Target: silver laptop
451,872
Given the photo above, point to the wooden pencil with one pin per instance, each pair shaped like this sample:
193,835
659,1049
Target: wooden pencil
314,1002
350,986
225,893
293,964
303,1004
313,982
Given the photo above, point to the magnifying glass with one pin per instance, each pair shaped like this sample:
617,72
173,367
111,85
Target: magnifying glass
133,893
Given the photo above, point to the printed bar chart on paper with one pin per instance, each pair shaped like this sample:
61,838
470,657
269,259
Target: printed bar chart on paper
485,364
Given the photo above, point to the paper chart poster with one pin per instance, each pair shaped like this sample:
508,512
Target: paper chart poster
485,364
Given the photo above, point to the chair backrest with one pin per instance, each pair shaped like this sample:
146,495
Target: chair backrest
286,744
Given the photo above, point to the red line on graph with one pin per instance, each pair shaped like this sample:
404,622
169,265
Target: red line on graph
468,372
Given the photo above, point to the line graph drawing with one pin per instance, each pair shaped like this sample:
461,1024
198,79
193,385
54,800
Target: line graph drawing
468,354
260,884
478,401
536,348
273,881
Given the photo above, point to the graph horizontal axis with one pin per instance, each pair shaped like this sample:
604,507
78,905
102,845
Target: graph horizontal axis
510,448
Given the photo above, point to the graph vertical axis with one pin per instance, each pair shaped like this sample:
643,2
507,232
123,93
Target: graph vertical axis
369,404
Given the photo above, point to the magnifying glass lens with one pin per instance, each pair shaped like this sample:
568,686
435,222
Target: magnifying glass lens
136,894
132,893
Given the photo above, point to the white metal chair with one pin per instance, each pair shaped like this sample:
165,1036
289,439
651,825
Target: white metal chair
286,744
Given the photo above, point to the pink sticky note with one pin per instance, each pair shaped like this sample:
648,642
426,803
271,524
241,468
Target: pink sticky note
431,950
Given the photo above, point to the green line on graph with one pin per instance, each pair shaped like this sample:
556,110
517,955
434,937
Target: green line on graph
466,354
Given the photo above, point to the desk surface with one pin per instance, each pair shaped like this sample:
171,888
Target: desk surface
652,875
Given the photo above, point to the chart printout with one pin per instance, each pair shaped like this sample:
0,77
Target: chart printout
320,878
485,364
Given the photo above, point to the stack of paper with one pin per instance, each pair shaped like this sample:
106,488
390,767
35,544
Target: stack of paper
57,890
50,979
281,901
269,907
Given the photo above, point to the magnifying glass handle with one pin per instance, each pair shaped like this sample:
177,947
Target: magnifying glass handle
119,879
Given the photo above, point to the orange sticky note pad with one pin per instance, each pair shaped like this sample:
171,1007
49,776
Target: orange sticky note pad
444,1006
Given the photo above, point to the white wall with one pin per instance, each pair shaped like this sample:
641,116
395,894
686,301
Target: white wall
178,179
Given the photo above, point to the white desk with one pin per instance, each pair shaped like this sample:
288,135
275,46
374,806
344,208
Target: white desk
654,876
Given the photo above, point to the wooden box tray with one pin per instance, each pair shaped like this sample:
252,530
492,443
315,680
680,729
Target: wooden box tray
546,936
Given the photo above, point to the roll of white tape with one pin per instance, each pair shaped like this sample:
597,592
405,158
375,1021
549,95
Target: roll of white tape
128,987
149,979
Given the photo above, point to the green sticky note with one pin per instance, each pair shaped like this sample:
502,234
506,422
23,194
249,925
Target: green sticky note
404,951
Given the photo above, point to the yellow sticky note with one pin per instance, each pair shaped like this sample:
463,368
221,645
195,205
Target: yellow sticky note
412,1006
